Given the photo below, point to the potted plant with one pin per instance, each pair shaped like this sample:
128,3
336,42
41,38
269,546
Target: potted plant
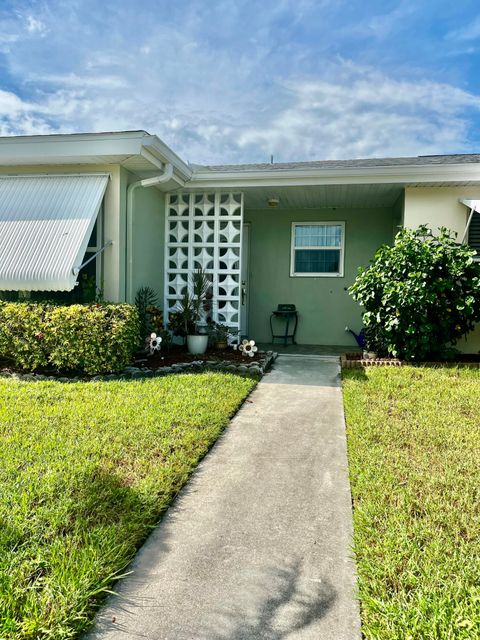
220,335
192,309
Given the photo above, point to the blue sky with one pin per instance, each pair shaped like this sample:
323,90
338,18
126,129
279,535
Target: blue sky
237,80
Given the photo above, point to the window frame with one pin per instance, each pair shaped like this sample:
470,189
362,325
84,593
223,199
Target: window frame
91,249
341,248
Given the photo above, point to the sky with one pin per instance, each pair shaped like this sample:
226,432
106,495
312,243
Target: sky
227,81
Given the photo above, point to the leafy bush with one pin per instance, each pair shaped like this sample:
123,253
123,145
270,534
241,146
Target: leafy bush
422,293
376,339
87,338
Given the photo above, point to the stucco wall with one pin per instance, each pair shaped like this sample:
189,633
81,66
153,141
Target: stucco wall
440,207
148,238
324,306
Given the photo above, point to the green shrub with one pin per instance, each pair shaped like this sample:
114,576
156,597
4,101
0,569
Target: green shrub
146,300
91,339
422,293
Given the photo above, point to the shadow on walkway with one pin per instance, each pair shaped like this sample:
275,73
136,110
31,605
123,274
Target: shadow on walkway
289,603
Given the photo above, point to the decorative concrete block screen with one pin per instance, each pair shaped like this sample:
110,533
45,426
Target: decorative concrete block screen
205,230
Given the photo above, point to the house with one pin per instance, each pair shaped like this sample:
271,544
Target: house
121,210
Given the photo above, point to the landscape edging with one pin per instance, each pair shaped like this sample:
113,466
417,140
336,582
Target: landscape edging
247,369
352,361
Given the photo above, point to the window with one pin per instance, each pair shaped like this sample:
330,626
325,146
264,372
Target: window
474,233
317,249
90,277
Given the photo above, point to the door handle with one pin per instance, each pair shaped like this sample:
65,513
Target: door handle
244,293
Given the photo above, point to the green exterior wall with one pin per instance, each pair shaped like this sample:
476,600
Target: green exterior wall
148,238
324,306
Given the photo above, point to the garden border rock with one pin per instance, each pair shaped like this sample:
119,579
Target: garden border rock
254,369
354,360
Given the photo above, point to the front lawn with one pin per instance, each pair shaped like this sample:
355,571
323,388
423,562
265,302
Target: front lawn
86,469
414,455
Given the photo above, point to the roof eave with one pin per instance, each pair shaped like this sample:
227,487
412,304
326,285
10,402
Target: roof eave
79,148
160,150
311,176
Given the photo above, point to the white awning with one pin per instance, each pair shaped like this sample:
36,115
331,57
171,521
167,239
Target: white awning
45,225
471,204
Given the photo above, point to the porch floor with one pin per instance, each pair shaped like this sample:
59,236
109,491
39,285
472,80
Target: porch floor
307,349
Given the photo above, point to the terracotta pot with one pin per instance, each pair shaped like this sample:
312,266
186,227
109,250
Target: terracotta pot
221,345
197,344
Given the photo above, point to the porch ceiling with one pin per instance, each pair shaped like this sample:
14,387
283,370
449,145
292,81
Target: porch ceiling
324,196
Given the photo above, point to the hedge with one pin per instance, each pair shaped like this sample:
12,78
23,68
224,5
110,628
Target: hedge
91,339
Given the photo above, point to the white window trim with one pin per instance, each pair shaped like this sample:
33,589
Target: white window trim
339,274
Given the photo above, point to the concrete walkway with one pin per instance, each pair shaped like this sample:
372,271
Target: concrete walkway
258,543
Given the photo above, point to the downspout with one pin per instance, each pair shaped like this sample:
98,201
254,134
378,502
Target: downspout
147,182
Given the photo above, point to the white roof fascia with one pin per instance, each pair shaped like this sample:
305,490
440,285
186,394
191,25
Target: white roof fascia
311,176
45,224
51,149
161,151
80,148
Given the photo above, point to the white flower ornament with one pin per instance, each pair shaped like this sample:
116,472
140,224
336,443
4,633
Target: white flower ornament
154,343
248,348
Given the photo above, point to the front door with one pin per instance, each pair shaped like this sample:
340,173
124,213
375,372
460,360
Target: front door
244,284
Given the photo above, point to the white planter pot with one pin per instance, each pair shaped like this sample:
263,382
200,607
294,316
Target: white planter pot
197,344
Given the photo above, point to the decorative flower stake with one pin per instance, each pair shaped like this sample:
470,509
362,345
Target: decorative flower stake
154,343
248,348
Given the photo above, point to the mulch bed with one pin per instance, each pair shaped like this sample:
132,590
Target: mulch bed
178,354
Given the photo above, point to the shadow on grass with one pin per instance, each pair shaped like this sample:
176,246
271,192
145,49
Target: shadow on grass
355,373
102,497
105,501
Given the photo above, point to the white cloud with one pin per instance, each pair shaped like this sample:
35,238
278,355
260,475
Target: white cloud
363,113
228,81
381,26
350,112
470,31
19,117
33,25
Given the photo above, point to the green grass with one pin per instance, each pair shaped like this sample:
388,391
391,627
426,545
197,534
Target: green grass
414,455
86,469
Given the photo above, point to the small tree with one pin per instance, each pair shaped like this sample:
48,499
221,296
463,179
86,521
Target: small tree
423,293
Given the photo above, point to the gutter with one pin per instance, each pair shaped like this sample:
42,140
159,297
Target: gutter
412,174
147,182
153,149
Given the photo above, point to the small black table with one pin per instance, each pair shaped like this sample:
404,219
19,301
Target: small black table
287,313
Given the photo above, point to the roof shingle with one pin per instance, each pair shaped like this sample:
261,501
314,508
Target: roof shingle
346,164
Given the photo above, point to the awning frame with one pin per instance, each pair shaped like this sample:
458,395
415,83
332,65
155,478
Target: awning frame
474,206
76,270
